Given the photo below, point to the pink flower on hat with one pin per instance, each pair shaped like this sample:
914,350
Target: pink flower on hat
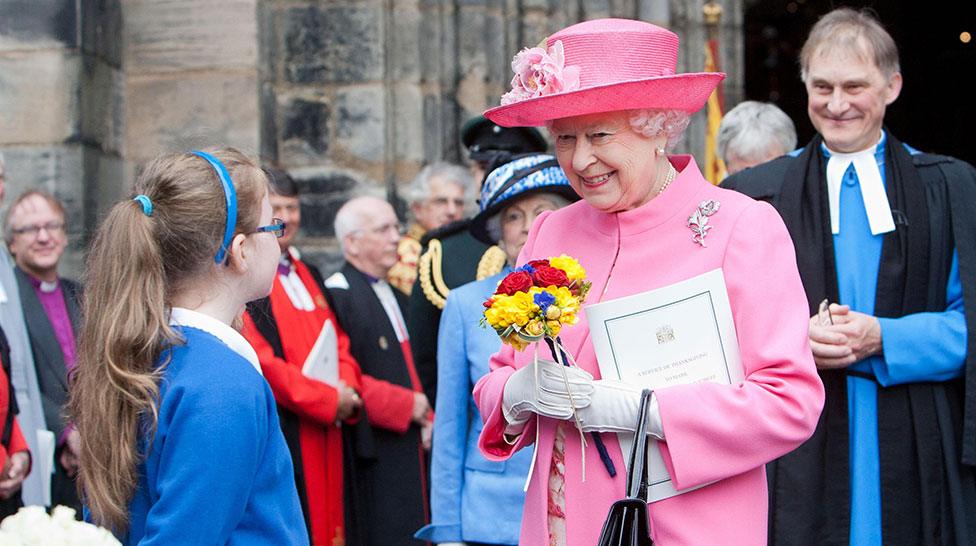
539,72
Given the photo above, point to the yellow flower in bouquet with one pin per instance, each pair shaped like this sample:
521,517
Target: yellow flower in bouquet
506,311
536,300
574,271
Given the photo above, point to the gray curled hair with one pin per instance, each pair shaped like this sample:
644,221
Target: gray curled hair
419,188
753,129
651,122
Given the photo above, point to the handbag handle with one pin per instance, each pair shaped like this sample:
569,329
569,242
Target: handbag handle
637,477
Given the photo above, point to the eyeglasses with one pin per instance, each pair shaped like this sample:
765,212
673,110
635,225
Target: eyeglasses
445,201
277,227
384,229
34,229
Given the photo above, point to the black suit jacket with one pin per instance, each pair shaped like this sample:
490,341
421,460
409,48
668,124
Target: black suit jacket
52,378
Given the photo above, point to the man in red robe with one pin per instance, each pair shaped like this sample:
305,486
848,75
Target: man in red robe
15,460
296,337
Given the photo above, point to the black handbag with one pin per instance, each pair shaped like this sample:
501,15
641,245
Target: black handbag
626,524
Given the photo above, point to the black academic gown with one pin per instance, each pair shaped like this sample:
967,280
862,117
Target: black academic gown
927,431
384,474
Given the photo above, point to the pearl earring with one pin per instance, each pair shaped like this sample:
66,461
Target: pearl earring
659,151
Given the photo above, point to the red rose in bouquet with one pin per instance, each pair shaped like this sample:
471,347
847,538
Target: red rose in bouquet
538,263
549,276
516,281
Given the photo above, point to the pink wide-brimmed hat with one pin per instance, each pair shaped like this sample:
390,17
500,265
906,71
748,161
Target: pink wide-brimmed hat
603,65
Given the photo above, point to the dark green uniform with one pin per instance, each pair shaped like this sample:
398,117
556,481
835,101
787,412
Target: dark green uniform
450,255
450,258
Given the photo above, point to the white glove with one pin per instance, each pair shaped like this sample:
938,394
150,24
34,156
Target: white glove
613,408
546,394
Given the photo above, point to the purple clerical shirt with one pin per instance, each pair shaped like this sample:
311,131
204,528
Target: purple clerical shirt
52,299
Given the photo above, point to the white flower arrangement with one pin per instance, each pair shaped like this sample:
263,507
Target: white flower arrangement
32,526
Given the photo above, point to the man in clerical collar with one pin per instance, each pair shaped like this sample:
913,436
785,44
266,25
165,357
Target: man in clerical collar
885,246
387,496
35,234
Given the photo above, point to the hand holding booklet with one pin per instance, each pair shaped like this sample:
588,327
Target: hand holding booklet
675,335
322,363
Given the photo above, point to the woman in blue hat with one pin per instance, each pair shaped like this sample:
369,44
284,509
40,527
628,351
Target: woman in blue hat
474,500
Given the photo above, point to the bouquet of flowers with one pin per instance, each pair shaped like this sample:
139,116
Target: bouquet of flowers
32,526
536,300
532,304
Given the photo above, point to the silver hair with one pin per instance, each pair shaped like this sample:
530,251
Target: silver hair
652,122
753,129
494,224
351,217
845,28
419,188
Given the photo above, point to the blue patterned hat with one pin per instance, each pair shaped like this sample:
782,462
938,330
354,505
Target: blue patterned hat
521,176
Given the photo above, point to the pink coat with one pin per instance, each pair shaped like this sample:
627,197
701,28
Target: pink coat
713,432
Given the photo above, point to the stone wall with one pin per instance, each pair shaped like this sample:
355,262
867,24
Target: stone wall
349,95
40,103
357,96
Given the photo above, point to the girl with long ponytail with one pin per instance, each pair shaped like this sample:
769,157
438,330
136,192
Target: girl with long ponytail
180,436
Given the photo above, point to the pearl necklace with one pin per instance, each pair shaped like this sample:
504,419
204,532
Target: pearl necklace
667,181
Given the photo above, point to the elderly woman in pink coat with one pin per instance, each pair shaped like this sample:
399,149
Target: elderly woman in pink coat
608,92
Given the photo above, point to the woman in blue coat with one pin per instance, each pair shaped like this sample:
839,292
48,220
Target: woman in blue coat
474,500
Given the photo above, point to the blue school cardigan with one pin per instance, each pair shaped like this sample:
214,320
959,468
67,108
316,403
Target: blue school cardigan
218,470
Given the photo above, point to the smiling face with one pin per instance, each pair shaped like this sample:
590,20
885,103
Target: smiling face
609,164
39,237
846,97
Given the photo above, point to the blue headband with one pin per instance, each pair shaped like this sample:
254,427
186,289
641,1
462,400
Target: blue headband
145,202
230,197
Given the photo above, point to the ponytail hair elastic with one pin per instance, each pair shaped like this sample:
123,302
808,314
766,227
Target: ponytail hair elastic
146,203
230,197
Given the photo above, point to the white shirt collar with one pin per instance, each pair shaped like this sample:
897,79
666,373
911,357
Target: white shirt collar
869,180
230,337
385,294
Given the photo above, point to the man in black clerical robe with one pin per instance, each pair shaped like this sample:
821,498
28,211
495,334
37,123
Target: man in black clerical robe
385,454
885,246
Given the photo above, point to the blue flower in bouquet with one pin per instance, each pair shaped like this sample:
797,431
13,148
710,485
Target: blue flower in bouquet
544,300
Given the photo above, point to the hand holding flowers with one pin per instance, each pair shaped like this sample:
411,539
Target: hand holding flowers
531,304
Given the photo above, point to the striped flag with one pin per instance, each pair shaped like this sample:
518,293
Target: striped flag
714,167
